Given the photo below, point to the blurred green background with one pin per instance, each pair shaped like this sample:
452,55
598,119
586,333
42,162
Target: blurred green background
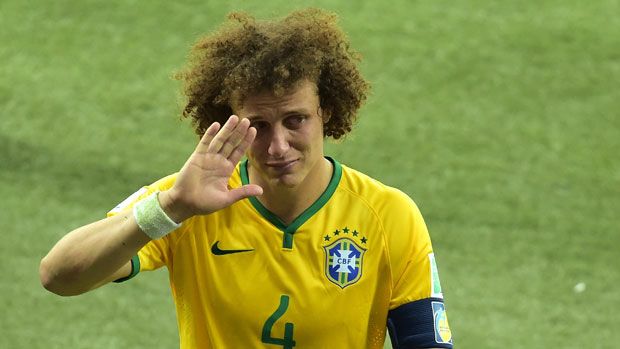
501,119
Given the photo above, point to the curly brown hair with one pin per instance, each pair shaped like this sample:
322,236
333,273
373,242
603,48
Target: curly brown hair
246,56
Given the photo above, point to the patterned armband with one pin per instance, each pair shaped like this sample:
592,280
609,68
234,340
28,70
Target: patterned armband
420,324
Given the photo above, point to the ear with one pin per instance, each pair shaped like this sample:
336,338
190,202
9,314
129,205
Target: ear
325,114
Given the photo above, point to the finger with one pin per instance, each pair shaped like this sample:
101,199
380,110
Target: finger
221,137
207,137
245,192
236,137
238,152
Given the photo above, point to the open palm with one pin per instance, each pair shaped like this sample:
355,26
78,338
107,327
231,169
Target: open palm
202,184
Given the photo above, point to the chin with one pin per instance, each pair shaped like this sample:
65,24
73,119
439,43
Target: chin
287,181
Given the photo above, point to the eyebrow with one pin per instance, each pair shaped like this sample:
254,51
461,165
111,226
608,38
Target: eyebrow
303,111
297,111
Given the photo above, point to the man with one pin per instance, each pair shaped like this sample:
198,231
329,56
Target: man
287,248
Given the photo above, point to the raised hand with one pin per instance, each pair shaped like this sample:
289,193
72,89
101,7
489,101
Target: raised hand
202,184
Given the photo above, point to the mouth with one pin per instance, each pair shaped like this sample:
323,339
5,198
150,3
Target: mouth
281,165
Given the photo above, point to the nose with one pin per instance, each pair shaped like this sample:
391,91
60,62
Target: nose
278,144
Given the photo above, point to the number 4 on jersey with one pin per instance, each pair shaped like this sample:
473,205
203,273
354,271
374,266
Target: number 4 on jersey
287,342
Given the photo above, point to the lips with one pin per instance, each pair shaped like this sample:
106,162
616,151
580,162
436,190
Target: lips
278,165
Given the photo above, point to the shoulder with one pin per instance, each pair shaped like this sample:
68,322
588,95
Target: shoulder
164,183
159,185
384,199
401,221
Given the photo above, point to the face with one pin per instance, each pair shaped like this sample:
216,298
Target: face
288,148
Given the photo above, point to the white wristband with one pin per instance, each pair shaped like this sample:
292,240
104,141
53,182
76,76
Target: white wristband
152,219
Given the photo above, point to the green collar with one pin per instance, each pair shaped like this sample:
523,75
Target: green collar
304,216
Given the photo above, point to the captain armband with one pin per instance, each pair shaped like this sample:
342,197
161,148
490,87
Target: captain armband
152,219
420,324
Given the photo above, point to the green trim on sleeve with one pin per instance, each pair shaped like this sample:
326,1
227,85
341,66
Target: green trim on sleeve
135,269
287,240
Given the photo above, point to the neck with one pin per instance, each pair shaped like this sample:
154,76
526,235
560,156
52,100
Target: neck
289,202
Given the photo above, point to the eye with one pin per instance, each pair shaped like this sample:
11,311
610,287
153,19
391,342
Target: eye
259,124
294,121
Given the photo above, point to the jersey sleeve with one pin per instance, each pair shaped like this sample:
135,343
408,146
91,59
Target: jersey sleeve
156,253
417,316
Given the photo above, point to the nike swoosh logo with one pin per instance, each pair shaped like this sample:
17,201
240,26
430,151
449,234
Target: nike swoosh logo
216,250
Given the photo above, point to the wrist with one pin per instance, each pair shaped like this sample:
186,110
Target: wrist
173,207
152,219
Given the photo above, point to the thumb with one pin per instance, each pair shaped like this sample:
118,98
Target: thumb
245,192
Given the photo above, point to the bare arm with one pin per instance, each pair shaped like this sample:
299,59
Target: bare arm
98,253
92,255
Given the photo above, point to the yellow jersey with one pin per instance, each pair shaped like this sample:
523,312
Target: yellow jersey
240,278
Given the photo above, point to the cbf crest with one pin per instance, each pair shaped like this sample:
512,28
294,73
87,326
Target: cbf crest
344,256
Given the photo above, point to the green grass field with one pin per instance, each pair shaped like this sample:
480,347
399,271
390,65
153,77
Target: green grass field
500,119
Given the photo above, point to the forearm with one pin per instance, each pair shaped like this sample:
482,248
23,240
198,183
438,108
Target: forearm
88,255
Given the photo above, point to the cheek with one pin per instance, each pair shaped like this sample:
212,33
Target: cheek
259,146
315,138
309,136
253,150
301,142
